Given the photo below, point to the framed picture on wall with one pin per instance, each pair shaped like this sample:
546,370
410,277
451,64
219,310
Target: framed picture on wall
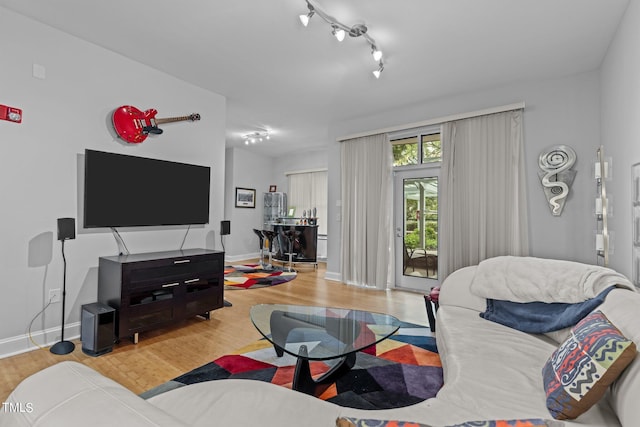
272,188
245,197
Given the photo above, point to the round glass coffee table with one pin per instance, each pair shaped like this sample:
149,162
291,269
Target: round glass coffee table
320,333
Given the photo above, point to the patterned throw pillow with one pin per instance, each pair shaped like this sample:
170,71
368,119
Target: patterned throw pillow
509,423
578,372
354,422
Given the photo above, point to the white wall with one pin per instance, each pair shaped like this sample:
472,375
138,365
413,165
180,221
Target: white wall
245,169
40,160
298,161
621,129
559,111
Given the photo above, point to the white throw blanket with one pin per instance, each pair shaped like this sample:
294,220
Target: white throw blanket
529,279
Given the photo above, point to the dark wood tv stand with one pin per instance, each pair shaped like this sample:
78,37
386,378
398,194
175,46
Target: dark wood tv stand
156,289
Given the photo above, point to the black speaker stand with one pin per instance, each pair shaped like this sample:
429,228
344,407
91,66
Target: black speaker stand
63,347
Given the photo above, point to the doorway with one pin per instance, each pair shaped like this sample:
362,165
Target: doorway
416,228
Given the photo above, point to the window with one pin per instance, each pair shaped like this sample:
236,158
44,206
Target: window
308,190
431,148
405,151
418,149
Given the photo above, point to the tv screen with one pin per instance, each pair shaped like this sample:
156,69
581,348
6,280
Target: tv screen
129,191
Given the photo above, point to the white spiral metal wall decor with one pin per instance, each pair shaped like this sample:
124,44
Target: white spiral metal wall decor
557,176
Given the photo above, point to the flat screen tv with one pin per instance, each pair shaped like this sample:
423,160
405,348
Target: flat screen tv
129,191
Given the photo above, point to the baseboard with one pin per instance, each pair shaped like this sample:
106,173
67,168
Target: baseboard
333,276
22,344
235,258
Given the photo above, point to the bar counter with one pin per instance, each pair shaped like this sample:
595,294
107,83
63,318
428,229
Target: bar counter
305,242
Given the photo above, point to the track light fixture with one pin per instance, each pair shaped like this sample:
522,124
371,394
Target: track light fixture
340,30
377,72
305,18
253,137
376,53
338,33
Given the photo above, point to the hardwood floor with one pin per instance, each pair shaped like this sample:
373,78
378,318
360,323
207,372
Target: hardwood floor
166,353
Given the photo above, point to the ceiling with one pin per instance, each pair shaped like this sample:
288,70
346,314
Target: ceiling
296,81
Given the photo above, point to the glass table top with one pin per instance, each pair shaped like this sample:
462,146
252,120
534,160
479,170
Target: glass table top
321,333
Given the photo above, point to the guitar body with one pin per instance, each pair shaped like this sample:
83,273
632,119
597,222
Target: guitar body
133,125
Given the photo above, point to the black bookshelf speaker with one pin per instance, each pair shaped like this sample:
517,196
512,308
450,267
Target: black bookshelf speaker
66,228
225,228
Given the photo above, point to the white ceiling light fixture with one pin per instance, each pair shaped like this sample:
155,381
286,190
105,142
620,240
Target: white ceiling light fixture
253,137
305,18
340,30
338,33
377,72
376,53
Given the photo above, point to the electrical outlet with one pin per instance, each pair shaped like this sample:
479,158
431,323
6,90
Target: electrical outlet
54,295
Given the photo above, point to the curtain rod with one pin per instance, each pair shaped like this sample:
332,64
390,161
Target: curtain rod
436,121
306,171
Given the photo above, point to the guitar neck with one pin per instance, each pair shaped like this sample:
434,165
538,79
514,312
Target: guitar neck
173,119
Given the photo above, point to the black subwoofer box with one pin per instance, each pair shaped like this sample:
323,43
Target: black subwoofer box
97,329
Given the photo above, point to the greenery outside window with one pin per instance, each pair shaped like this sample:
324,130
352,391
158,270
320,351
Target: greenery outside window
416,150
405,151
431,148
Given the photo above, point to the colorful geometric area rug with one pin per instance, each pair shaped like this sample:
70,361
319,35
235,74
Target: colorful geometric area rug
251,276
400,371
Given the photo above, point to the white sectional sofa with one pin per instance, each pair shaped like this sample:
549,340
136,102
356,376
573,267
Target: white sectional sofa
491,372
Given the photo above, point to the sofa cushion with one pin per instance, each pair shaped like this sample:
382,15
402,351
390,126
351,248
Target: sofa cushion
71,394
579,372
483,355
242,402
454,291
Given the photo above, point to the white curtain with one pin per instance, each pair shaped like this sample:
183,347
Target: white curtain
483,205
366,211
308,190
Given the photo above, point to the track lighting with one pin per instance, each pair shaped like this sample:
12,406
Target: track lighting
377,72
253,137
338,33
305,18
376,53
340,30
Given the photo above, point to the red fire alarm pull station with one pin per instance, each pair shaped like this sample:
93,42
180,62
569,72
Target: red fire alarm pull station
10,114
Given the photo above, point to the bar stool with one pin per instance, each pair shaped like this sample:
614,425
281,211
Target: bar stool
261,238
269,235
291,235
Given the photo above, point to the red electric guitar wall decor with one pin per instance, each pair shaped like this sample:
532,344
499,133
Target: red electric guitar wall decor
134,125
